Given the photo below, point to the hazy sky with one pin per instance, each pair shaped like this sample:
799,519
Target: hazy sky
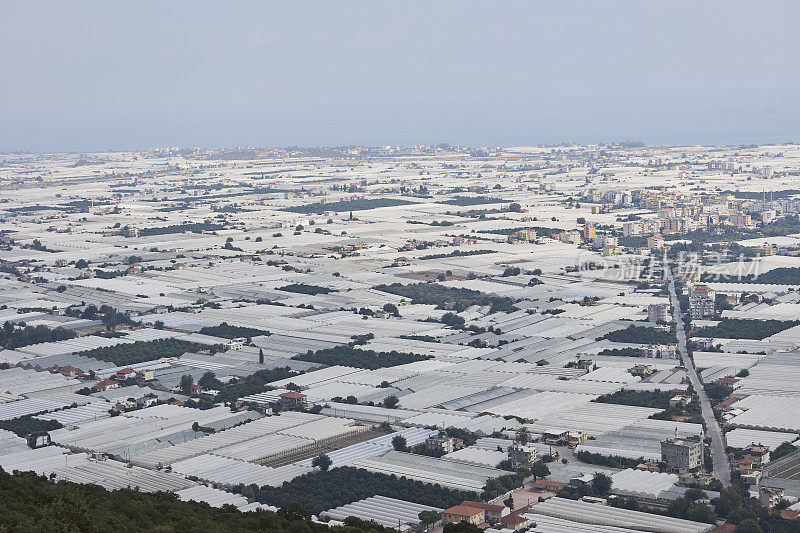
95,75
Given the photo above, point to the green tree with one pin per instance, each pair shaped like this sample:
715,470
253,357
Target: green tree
678,507
716,391
783,449
452,320
700,512
399,443
427,518
749,526
461,527
694,494
391,401
539,471
391,309
186,384
295,512
728,501
601,483
323,462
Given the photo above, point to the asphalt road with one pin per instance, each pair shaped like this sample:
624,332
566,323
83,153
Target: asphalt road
722,469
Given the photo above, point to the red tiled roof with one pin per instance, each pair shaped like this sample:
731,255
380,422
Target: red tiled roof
292,394
512,519
545,484
484,506
728,402
462,510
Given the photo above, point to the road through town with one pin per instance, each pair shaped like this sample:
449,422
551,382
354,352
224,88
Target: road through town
722,469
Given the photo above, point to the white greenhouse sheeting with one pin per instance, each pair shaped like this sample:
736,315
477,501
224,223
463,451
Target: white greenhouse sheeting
602,515
373,447
367,413
774,413
543,404
742,438
140,431
431,470
323,428
216,497
385,511
20,381
76,415
316,377
78,468
432,396
593,418
11,443
245,432
642,439
550,524
27,406
478,456
642,483
117,475
225,471
41,460
262,447
482,425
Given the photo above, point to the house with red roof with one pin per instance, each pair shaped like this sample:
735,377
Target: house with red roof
106,384
292,400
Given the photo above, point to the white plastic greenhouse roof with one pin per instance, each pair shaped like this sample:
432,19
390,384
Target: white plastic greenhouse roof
742,438
590,513
642,483
386,511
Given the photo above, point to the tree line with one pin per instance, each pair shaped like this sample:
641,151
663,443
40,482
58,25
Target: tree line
349,356
642,335
109,316
347,205
303,288
27,425
227,331
34,503
320,491
197,227
12,336
439,295
735,328
237,388
142,351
